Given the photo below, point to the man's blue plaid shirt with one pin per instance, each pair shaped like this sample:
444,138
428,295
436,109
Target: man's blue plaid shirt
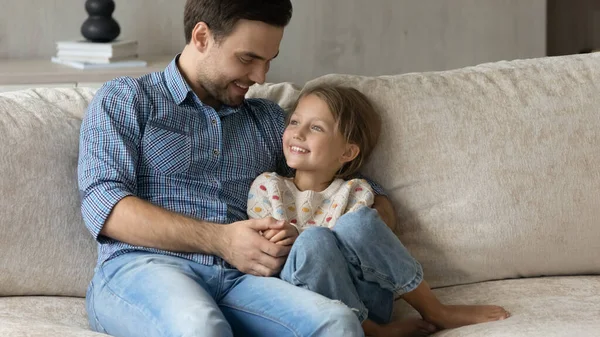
153,138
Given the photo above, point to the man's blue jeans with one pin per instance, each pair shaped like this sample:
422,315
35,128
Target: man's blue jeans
144,294
360,262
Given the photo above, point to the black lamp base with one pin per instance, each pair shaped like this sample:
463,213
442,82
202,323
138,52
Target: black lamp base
100,26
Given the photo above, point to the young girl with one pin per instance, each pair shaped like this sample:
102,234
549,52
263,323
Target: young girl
345,251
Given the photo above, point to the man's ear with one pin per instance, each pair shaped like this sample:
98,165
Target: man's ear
352,151
201,37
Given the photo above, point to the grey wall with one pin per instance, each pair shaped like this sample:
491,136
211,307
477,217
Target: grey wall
30,28
377,37
371,37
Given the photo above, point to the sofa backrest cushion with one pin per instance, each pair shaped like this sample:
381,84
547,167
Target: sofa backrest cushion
494,169
45,248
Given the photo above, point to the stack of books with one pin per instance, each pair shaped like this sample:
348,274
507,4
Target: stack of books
97,55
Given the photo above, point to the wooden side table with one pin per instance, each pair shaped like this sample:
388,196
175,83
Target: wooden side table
23,74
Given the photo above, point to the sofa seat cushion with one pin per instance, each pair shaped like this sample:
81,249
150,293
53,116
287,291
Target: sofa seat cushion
548,307
544,307
38,316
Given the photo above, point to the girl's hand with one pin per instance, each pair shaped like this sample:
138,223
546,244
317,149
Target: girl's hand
241,244
270,233
285,236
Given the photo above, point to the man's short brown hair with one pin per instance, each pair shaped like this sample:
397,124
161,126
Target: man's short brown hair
222,15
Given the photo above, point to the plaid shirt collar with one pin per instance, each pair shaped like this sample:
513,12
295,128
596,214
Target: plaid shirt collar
180,89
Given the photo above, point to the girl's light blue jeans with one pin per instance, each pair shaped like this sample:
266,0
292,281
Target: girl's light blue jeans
359,262
146,295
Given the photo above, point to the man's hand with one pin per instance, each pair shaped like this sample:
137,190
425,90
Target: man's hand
244,247
386,211
285,236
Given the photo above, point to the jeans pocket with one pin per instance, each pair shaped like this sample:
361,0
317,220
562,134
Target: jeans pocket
166,149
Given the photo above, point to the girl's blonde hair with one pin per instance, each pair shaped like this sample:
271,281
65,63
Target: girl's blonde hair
355,117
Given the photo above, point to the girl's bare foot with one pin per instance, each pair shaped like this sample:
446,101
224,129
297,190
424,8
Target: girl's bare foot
450,316
412,327
454,316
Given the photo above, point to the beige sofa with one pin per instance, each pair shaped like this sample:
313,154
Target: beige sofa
494,170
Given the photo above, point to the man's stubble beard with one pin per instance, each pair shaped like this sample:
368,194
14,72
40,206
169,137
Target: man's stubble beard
217,91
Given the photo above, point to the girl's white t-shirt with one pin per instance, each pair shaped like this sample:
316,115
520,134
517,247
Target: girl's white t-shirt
277,196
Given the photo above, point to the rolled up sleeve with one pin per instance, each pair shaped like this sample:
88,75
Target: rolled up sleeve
377,189
108,152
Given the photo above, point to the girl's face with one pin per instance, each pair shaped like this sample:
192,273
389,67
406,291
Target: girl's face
311,141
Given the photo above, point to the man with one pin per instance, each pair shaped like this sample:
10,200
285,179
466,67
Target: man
165,165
